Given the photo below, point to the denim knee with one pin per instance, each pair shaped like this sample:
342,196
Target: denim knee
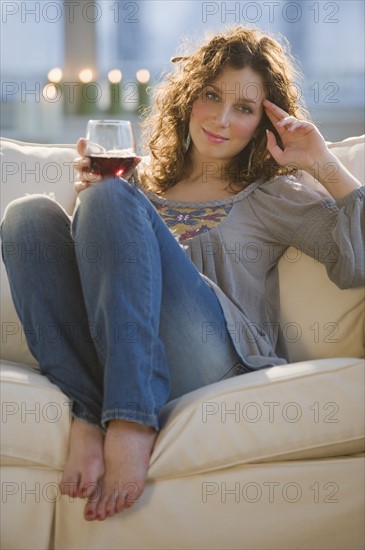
100,197
37,209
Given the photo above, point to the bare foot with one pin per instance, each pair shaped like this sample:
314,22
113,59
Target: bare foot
85,461
127,450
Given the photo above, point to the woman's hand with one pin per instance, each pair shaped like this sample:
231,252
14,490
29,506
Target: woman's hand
305,148
303,143
84,176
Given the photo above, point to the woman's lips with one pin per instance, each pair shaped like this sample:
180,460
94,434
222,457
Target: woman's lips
215,138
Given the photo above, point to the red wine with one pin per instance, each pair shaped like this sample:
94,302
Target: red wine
110,166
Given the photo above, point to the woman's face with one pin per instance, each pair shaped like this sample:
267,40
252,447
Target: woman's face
225,117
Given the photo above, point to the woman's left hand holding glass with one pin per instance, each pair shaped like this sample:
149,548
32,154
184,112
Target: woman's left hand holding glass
84,174
305,147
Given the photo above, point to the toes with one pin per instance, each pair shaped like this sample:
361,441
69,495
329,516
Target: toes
90,511
85,462
70,487
103,503
110,504
78,489
90,477
106,506
88,488
132,492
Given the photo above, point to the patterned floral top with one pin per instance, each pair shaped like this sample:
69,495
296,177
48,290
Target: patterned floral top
187,222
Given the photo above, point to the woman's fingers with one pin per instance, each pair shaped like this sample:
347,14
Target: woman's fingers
272,145
274,110
83,179
299,125
280,118
286,121
81,146
82,166
273,118
289,124
283,121
275,151
81,163
294,126
80,186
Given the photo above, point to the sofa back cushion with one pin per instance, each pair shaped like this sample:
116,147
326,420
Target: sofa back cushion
34,168
318,319
30,168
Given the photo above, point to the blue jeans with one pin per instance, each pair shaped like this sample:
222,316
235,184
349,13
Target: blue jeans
112,308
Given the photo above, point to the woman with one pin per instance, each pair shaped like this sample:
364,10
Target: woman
153,318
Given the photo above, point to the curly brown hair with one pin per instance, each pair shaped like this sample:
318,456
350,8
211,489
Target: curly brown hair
165,128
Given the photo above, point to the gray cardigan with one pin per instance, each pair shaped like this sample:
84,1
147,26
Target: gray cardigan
238,257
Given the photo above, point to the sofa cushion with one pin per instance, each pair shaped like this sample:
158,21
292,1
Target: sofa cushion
301,411
35,419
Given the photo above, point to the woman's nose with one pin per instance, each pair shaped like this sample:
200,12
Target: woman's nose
222,116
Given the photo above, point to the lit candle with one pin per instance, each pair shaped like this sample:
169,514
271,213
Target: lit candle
55,76
115,90
89,93
56,92
143,77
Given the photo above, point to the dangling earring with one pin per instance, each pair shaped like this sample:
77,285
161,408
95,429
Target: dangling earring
187,142
250,157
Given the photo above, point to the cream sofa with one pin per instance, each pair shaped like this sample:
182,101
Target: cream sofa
268,460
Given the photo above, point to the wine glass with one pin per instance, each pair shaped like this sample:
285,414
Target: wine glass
110,147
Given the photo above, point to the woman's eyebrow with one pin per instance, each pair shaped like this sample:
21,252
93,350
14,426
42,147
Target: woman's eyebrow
230,92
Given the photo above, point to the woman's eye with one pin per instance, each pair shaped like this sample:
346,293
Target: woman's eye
211,95
244,109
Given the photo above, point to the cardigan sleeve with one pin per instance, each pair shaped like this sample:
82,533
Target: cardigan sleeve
330,231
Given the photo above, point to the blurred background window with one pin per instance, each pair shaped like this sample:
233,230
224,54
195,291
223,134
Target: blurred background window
108,52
